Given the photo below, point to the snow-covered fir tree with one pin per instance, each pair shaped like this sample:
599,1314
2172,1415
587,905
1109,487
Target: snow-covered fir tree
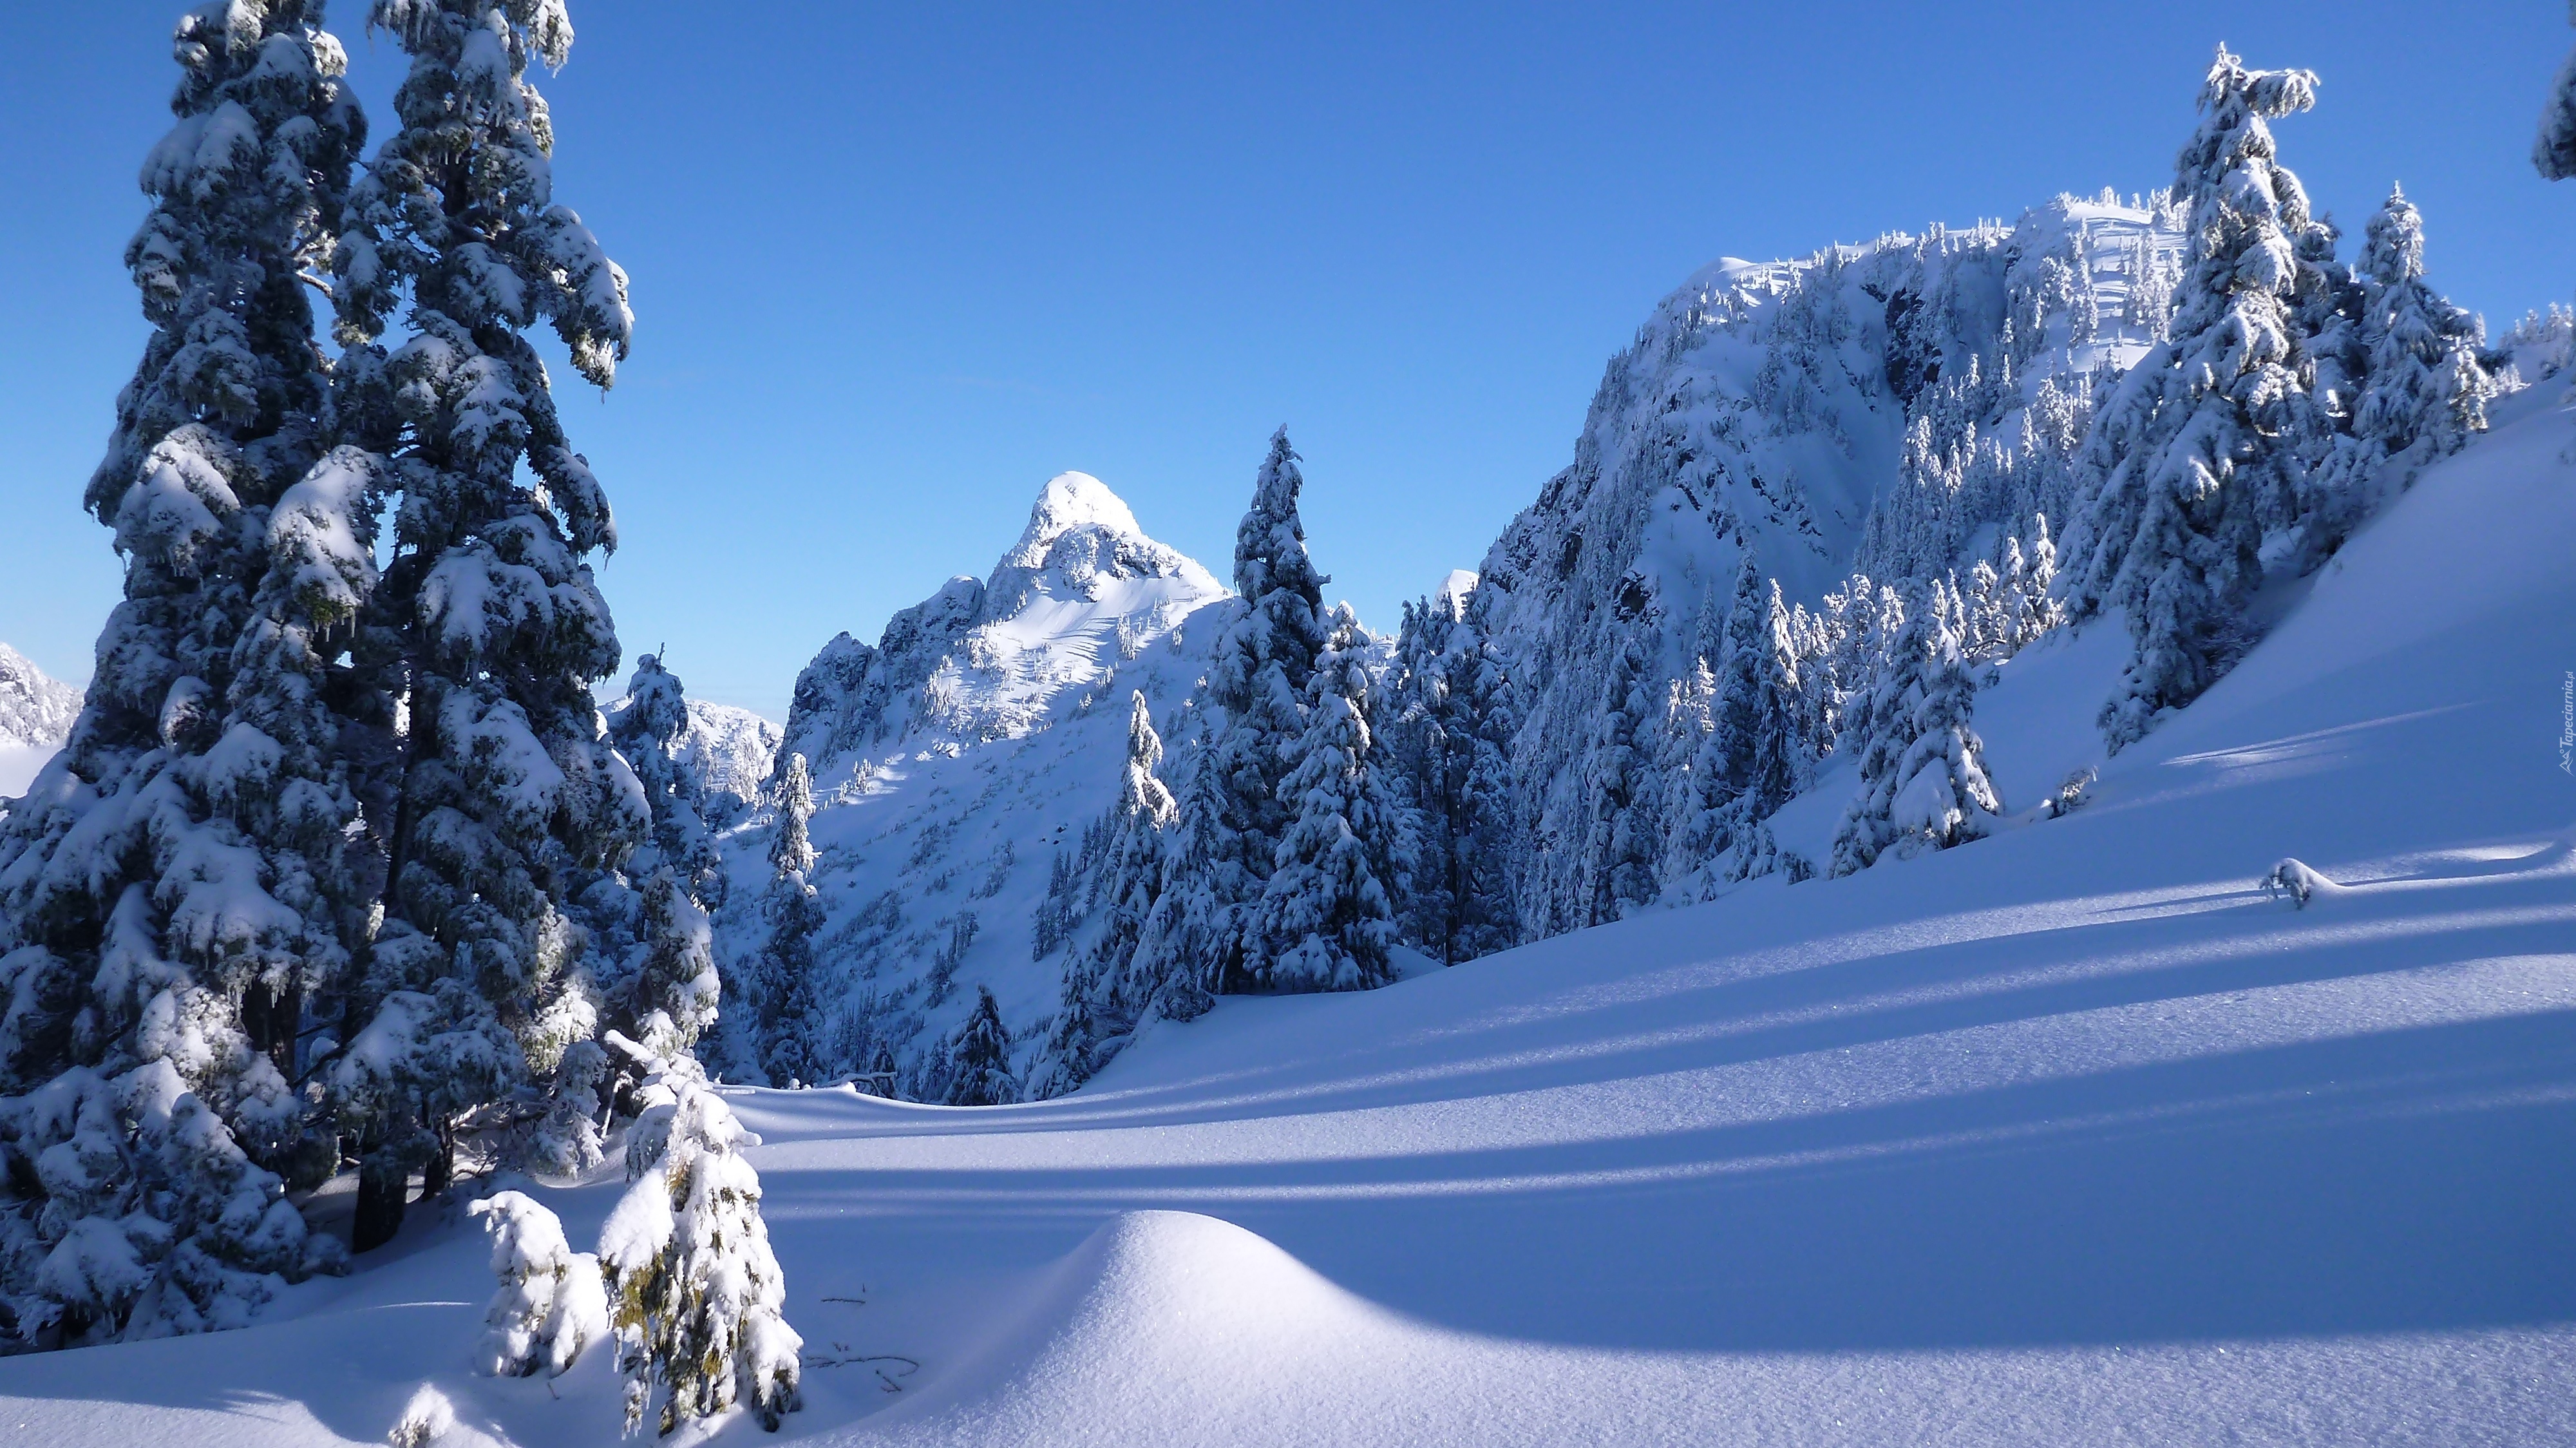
696,1297
488,626
784,990
677,976
551,1303
1447,741
1327,917
1752,751
195,866
2201,439
978,1067
1129,878
1923,783
2428,388
649,732
1257,676
1109,985
2554,151
1624,792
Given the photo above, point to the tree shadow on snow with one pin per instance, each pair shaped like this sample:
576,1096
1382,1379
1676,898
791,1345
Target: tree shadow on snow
2398,1180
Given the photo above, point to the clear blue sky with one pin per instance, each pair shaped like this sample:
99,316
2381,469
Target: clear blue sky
896,265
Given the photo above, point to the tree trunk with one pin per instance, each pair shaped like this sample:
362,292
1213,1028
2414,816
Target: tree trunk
441,1170
383,1181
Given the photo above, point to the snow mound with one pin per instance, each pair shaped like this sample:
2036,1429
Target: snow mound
1162,1326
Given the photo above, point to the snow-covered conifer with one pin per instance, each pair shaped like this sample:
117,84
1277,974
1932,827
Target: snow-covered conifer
1129,877
2035,609
489,622
1327,917
696,1297
551,1303
1109,983
2201,438
2554,152
193,869
781,989
1747,765
2428,390
567,1139
1447,739
1621,817
791,848
1257,676
1923,781
648,732
678,973
979,1057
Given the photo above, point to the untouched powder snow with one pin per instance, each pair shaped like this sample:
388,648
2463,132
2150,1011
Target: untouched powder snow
2072,1135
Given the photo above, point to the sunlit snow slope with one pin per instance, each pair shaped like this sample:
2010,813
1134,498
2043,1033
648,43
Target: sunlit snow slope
2072,1136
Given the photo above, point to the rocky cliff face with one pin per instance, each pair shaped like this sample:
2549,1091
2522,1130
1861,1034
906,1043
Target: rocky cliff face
1770,409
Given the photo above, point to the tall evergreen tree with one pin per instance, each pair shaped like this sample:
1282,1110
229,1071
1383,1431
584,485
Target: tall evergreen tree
488,624
1750,745
2205,433
1258,677
1327,916
786,993
1623,794
195,864
1447,741
1923,781
979,1057
2554,152
2428,390
650,733
1132,866
1109,983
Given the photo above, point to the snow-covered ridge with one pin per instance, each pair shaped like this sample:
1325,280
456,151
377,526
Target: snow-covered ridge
979,661
36,714
1895,405
34,709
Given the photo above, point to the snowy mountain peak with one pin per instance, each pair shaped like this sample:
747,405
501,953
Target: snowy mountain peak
1070,501
1458,587
980,660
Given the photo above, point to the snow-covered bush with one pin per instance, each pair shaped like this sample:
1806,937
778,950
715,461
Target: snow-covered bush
695,1295
551,1303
